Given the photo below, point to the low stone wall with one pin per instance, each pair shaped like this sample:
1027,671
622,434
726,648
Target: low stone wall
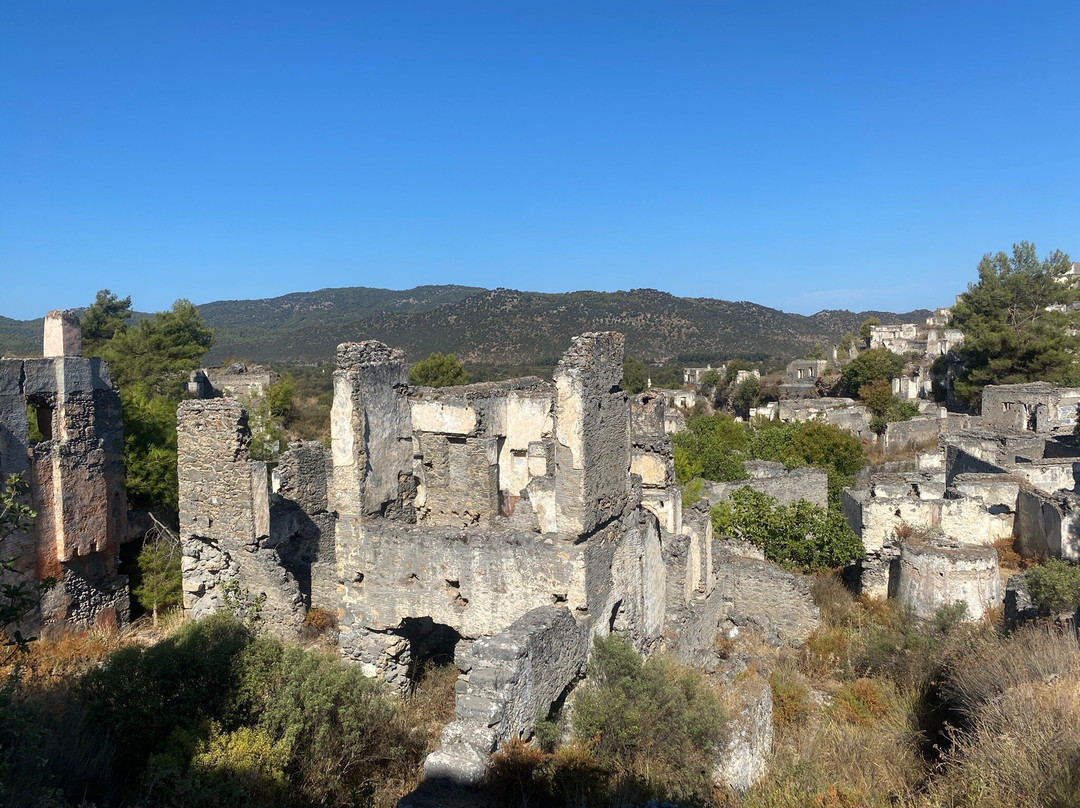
936,574
507,681
811,484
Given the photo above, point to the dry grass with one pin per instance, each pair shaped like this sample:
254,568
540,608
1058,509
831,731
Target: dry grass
1023,750
876,455
1010,561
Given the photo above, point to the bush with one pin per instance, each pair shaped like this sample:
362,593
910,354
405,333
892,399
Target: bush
656,725
869,366
1054,586
800,535
438,370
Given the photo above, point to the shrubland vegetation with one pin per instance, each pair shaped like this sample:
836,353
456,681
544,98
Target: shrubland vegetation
640,730
438,370
211,715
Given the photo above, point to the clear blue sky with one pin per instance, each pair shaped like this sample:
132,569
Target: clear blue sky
803,155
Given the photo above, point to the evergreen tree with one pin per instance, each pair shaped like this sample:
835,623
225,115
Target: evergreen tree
160,582
635,376
438,370
1019,323
99,323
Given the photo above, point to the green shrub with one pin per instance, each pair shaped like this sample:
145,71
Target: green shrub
140,696
1054,586
800,535
655,724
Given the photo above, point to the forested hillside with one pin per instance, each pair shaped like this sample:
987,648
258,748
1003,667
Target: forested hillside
501,326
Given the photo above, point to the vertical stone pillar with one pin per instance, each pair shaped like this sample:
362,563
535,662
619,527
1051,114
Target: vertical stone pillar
592,449
63,336
371,433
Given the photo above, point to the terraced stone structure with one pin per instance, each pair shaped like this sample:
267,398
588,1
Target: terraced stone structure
74,467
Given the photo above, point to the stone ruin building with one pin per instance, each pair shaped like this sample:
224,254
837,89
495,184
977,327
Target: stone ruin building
1008,475
499,524
75,472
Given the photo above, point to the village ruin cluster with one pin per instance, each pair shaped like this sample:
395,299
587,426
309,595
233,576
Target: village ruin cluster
505,524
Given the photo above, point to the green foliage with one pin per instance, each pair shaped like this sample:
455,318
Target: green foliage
711,378
885,408
746,396
635,376
100,322
653,722
340,728
17,600
712,447
799,535
876,364
438,370
280,399
1054,586
159,585
142,696
1017,323
149,362
864,328
158,352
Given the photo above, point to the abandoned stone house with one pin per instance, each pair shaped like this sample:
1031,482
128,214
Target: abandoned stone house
1010,474
74,470
501,524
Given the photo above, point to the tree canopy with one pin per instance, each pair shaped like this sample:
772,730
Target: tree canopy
1019,323
438,370
149,362
869,366
635,376
106,315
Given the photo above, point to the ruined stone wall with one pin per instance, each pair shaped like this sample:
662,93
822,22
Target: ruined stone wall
918,430
592,452
507,682
301,523
940,573
651,458
787,486
225,519
75,475
1048,525
371,433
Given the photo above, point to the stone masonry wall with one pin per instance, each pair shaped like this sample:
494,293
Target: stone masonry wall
225,519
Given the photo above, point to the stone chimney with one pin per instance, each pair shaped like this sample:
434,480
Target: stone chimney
63,336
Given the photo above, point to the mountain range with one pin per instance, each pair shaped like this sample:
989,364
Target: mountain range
499,326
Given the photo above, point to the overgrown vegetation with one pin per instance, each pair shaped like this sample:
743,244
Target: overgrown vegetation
799,535
1054,586
642,729
438,370
881,709
714,446
1018,322
149,361
18,597
214,715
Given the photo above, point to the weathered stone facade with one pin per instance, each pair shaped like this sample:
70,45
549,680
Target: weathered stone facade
500,524
75,474
229,557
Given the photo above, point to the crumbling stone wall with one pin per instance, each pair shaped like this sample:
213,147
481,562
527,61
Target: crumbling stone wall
939,573
75,475
371,433
651,459
507,681
1048,525
225,519
593,434
301,523
787,486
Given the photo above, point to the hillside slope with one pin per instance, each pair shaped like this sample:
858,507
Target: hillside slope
499,326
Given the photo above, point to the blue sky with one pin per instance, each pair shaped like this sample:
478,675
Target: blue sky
800,155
